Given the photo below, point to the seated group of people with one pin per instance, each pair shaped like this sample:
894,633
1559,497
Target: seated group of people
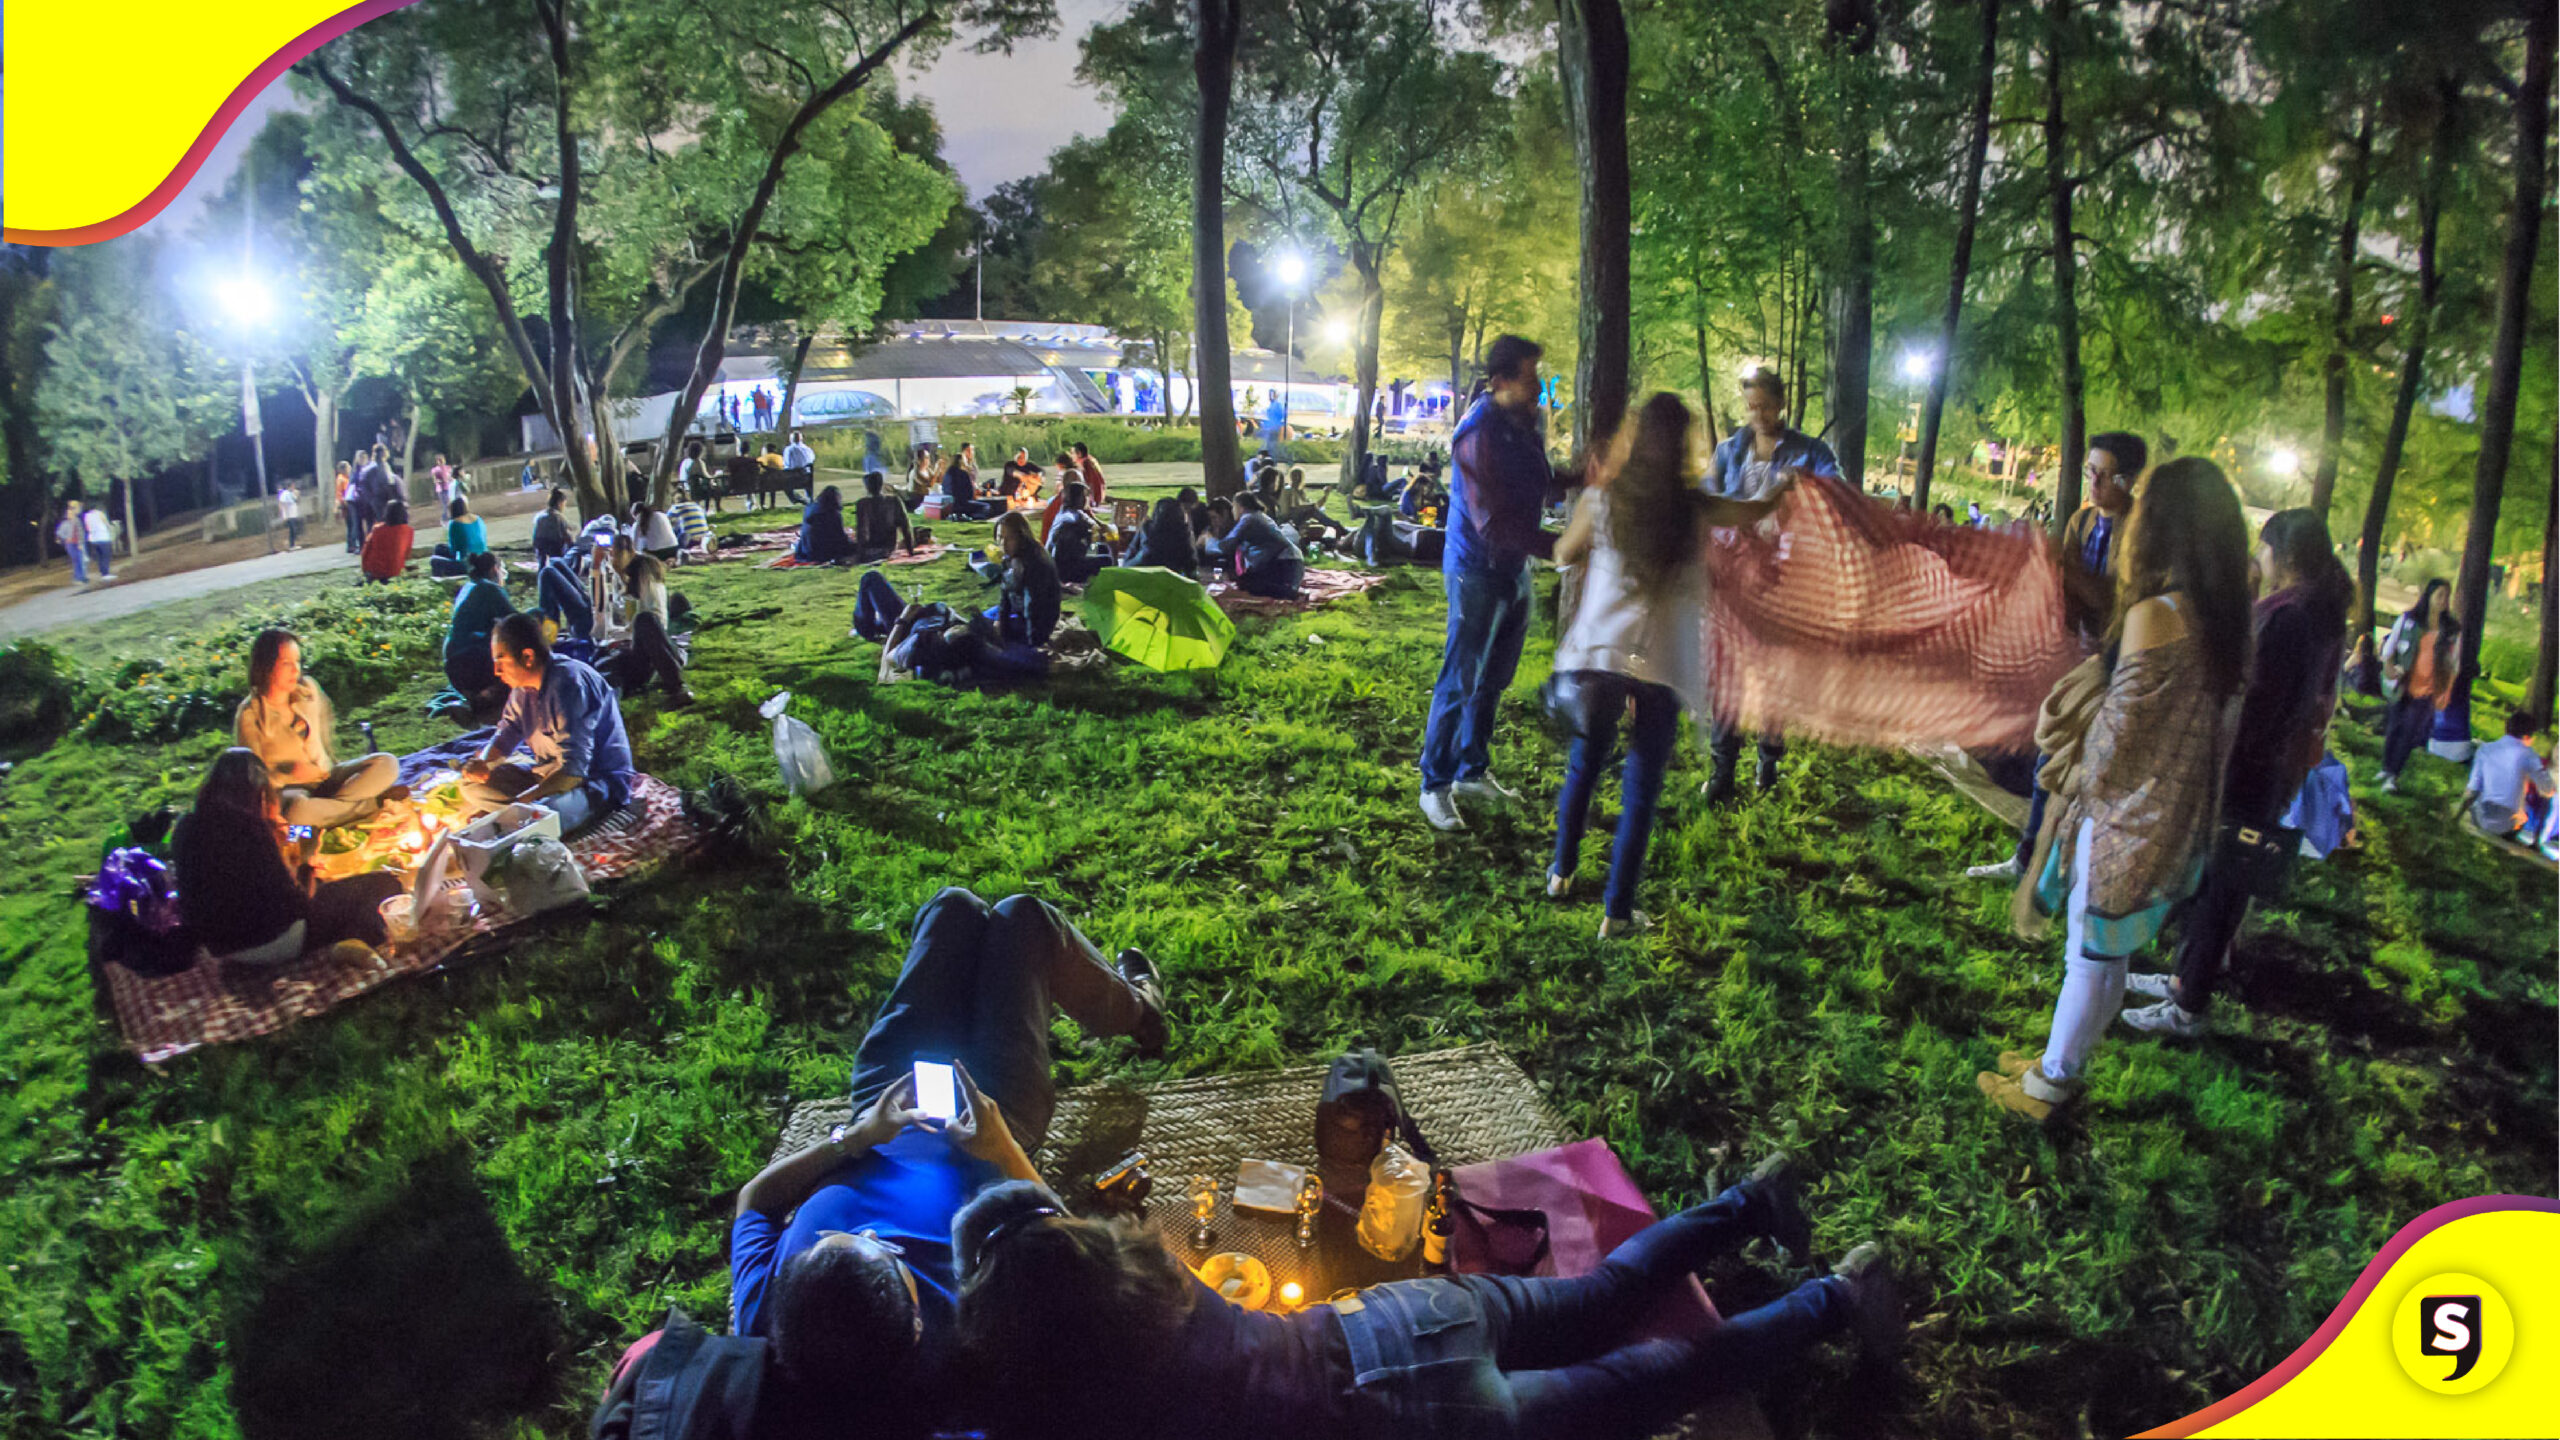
881,527
603,592
912,1275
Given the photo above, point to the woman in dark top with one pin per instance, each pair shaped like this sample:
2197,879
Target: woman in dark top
241,884
551,531
1166,540
960,490
1267,562
822,537
1029,609
1071,538
880,523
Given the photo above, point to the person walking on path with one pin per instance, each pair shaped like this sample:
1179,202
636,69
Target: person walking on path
73,536
2420,658
1752,464
289,510
101,537
1637,644
1502,481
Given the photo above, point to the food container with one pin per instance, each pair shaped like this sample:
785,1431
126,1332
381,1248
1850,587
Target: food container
1238,1278
399,921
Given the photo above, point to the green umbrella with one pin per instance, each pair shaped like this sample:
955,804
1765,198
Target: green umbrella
1161,620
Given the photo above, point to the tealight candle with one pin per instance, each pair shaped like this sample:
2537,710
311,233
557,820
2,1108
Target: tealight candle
1291,1294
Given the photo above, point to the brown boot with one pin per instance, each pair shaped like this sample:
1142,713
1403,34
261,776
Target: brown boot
2030,1093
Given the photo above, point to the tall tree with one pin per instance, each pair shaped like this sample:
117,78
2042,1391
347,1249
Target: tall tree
1216,34
1591,58
2358,165
1851,26
2060,185
1960,267
2538,695
2506,360
2444,139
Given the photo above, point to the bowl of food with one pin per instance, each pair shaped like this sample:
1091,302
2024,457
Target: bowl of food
1238,1278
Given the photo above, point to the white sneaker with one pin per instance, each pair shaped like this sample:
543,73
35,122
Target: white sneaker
2150,987
2166,1019
1441,811
1486,788
2390,784
2008,869
1559,887
1635,924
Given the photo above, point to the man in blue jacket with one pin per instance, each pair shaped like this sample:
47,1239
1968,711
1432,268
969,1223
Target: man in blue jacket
1498,493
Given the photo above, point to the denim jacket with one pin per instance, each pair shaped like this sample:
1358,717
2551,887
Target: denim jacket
1796,451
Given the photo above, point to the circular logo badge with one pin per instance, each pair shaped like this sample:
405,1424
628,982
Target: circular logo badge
2453,1333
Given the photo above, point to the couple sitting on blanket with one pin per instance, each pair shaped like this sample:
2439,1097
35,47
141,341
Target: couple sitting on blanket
910,1274
881,526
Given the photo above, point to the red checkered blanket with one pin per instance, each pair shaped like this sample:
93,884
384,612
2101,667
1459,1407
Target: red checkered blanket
1856,622
211,1004
1321,587
930,550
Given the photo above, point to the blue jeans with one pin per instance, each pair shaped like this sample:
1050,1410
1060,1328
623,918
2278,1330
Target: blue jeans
2035,818
562,596
1488,623
1650,740
79,551
1491,1355
978,984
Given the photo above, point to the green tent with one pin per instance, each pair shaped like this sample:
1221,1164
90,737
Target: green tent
1161,620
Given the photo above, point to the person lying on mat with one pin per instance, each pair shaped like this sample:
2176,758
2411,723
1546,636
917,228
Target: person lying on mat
1267,562
822,538
1068,1319
881,526
568,715
840,1254
246,891
290,725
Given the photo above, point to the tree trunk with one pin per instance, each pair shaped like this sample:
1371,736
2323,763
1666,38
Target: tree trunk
409,455
1707,383
1213,66
2333,428
2413,364
1591,57
132,532
791,378
2066,271
1853,288
2538,696
1364,360
324,449
1968,216
2506,359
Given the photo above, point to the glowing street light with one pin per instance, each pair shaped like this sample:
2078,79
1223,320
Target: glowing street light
1292,270
245,299
1337,331
1916,364
2284,462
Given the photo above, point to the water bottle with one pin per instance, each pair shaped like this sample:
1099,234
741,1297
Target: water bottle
1391,1215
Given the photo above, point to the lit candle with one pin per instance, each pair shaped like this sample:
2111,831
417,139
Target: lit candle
1291,1294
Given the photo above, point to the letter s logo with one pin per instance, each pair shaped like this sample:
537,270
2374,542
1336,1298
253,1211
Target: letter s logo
2454,1317
2449,1330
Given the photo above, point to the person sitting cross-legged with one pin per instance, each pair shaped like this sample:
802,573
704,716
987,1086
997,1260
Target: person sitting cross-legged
290,725
841,1253
1267,562
1071,538
881,525
822,539
477,607
570,718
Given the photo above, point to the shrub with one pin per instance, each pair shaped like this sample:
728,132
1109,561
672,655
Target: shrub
38,693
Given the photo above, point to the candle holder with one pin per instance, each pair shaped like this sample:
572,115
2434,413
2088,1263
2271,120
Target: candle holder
1310,1203
1204,1206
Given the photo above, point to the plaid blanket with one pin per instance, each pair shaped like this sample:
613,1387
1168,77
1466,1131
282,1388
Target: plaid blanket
930,550
211,1004
1321,587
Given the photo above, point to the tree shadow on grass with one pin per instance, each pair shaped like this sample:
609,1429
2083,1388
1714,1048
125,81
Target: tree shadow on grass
412,1321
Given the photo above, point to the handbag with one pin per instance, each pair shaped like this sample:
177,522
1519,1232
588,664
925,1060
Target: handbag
1503,1241
2260,857
1564,704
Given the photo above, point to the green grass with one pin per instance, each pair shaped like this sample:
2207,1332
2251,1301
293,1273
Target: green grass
490,1180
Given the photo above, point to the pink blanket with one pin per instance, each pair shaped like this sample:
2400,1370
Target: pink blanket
1591,1205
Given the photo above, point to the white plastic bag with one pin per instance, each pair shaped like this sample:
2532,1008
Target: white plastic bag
538,875
804,760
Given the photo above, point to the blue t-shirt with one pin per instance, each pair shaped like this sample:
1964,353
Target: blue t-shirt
905,1192
466,537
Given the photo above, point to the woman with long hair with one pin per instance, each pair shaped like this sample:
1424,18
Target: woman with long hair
2133,813
823,540
1166,539
1636,645
243,886
2300,633
1027,611
2421,658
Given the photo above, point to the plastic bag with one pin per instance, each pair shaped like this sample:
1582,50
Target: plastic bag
804,760
1391,1214
540,875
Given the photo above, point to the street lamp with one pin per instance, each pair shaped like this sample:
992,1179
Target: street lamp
2285,462
1292,270
249,306
1917,367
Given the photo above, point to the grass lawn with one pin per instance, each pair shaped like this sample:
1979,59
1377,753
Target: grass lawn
449,1203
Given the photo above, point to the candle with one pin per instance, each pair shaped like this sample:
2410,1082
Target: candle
1291,1294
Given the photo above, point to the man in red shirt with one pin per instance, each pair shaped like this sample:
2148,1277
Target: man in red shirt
1092,477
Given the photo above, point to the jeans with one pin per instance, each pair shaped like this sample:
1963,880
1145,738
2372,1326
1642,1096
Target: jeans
876,607
598,797
2214,919
649,641
977,985
293,530
1488,622
1650,740
2411,717
2036,797
101,554
355,527
79,552
1275,579
562,596
1492,1355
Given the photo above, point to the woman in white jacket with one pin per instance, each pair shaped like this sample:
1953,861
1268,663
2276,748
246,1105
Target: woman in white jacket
1636,647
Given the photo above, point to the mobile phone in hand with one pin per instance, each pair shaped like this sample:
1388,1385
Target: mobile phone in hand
937,1091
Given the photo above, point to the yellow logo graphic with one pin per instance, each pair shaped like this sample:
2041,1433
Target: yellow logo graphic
2453,1333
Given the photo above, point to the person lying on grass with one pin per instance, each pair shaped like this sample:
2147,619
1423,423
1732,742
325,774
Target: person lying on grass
841,1254
1085,1329
568,715
291,726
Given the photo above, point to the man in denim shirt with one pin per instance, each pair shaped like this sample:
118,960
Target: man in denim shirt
1754,463
1500,490
568,715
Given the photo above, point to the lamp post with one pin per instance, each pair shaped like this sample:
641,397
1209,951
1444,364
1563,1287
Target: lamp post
1292,271
1917,367
248,304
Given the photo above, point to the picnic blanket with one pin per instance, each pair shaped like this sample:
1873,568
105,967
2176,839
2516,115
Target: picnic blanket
212,1004
930,550
1321,587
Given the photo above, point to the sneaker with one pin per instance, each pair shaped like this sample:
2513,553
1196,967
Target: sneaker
2008,869
2014,1063
2390,784
1875,1302
1617,927
2168,1018
2150,987
1559,887
1775,1181
1153,1032
1441,810
1486,789
2030,1093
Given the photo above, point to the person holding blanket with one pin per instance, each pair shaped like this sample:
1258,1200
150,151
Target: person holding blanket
1636,647
822,538
568,716
289,724
841,1254
1501,490
2136,799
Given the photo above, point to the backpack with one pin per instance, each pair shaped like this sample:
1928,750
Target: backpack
1360,1108
681,1382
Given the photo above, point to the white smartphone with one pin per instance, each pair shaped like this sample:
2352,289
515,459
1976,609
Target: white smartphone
937,1091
